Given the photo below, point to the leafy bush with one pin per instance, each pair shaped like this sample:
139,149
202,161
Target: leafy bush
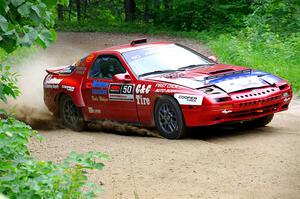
25,22
277,16
8,85
22,176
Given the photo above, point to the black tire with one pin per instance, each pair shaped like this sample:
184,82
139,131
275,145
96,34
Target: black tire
71,115
169,119
259,122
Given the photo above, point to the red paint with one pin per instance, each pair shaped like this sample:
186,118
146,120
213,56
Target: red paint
209,113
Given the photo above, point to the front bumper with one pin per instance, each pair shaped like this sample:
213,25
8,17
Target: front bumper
243,106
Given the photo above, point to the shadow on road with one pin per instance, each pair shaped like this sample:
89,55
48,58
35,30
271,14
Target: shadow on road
211,133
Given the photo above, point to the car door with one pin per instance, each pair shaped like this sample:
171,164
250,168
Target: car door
106,99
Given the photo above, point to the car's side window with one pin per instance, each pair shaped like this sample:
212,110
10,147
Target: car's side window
106,66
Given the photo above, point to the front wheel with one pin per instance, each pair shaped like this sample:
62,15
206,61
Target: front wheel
169,119
71,115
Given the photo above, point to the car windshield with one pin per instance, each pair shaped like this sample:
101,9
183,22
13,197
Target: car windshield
166,58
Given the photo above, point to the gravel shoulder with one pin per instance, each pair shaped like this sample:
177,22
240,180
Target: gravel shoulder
213,163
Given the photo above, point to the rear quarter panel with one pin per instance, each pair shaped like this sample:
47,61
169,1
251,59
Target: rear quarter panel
55,85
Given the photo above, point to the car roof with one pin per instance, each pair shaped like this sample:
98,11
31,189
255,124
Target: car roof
129,47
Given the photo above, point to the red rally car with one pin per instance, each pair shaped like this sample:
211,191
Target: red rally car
165,85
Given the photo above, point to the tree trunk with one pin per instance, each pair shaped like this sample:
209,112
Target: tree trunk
167,4
78,9
130,8
60,12
70,9
85,8
146,11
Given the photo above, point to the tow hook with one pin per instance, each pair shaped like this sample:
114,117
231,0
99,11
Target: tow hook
226,111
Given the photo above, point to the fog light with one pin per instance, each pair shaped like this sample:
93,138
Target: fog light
285,94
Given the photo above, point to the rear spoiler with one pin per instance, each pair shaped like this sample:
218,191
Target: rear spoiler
61,70
51,71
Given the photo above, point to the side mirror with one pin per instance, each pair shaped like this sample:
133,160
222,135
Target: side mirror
122,77
213,58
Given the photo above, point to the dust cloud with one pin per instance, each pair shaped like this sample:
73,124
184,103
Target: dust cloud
29,107
123,129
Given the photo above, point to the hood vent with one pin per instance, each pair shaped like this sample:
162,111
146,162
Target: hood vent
221,71
228,74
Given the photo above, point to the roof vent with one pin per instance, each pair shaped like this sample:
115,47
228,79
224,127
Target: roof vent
138,41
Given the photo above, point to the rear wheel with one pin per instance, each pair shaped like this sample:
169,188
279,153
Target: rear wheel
71,115
169,119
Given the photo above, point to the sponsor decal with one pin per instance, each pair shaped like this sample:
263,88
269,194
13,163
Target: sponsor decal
89,58
99,92
244,82
53,86
121,92
143,89
166,86
51,80
142,100
115,88
189,99
99,88
96,84
68,88
99,98
92,110
80,70
165,91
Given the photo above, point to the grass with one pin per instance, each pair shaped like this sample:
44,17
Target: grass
282,59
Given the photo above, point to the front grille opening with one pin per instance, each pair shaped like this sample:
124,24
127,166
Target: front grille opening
261,101
282,87
223,99
256,111
285,106
254,94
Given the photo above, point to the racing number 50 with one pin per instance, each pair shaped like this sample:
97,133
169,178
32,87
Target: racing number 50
127,89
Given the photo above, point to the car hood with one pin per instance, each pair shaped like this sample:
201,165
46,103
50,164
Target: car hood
227,77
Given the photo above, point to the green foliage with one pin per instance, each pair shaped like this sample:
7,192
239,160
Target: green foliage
277,16
22,176
203,15
8,85
23,23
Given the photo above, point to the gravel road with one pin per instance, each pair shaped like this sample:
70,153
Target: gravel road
213,163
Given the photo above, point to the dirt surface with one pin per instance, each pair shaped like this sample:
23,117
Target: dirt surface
213,163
